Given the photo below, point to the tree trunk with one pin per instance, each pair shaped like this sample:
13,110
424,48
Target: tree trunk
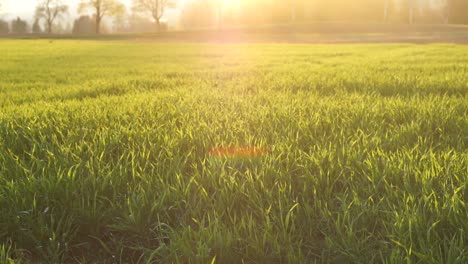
158,24
98,18
98,25
49,28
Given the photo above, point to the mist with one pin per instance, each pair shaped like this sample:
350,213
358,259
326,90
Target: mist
25,9
217,14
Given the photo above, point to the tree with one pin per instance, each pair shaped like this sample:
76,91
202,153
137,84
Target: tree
84,25
134,23
155,7
4,27
36,28
102,8
19,26
50,11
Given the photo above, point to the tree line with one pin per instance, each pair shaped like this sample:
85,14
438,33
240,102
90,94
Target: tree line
49,12
216,13
202,13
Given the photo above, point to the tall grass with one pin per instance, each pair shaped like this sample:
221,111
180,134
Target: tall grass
105,153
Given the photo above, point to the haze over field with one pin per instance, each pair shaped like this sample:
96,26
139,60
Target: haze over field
26,8
202,14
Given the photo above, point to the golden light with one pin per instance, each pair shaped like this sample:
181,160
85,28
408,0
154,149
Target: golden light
224,3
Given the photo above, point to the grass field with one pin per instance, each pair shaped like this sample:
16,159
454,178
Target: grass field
119,152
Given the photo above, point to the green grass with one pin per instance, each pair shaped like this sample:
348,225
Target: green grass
104,153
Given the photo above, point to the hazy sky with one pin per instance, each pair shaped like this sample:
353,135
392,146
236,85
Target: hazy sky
25,8
14,6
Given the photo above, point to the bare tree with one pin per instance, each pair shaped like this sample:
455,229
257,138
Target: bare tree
36,27
50,11
19,26
102,8
4,27
155,7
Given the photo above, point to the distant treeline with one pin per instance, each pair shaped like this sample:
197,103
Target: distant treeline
203,13
149,15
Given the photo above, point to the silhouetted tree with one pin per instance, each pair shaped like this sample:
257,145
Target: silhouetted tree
101,9
4,27
155,7
50,11
84,25
142,24
120,24
36,27
19,26
62,28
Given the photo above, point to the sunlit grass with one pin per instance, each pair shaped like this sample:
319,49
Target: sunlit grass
131,152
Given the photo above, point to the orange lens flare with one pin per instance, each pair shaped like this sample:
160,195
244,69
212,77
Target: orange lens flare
233,151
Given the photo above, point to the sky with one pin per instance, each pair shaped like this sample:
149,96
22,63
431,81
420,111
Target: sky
25,8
